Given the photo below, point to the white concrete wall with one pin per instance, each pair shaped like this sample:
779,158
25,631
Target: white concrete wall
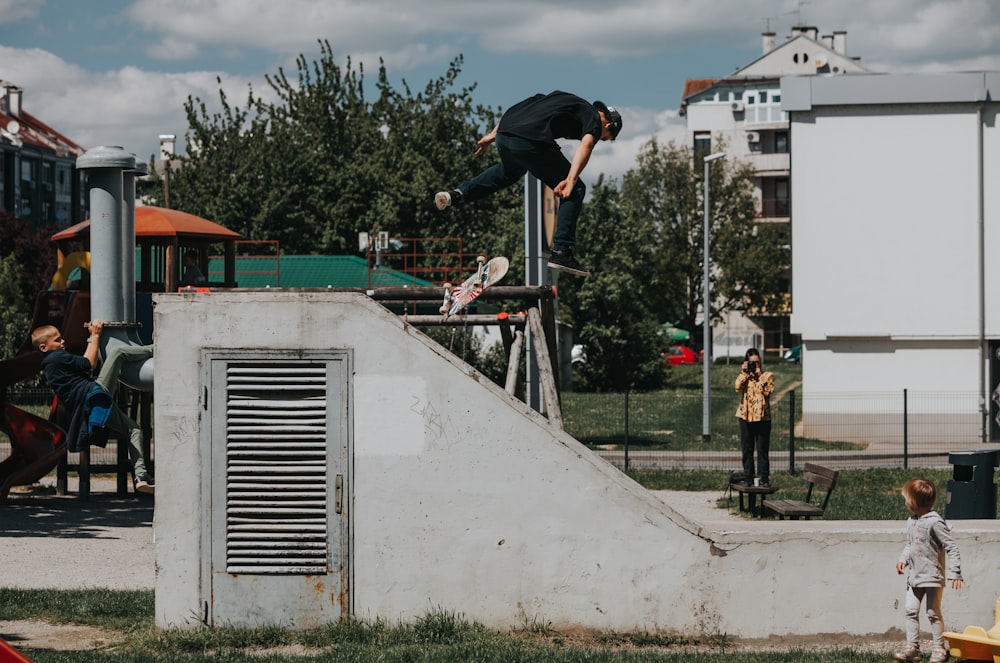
886,233
885,210
466,500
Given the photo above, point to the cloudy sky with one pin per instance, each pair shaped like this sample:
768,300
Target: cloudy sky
117,72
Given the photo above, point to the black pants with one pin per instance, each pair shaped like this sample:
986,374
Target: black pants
756,435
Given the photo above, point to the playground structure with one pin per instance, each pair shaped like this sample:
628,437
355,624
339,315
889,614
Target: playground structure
975,643
38,446
401,480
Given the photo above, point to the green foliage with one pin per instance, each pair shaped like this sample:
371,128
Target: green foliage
323,163
34,253
612,311
666,191
460,341
14,314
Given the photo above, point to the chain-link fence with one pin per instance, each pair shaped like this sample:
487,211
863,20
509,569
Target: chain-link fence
665,430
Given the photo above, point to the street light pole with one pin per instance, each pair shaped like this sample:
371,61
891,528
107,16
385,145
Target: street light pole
706,323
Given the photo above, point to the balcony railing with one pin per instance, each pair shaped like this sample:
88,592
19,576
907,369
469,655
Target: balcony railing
772,162
775,207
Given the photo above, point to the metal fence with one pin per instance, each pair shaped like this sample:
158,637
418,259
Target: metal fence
663,430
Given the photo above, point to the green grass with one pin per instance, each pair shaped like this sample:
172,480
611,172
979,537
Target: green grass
439,636
869,494
671,419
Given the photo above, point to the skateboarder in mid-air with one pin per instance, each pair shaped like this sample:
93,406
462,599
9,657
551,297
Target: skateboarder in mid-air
526,140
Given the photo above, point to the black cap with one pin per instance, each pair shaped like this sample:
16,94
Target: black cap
613,116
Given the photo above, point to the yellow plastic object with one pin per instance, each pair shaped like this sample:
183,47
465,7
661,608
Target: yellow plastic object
71,262
976,643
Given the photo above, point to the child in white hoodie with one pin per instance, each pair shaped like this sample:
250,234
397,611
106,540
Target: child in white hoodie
928,544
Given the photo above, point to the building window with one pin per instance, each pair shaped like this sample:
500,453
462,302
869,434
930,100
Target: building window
781,142
702,145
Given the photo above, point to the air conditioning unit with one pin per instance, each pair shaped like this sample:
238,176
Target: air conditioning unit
753,137
737,106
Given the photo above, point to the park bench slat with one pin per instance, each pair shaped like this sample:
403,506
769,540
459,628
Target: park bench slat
815,475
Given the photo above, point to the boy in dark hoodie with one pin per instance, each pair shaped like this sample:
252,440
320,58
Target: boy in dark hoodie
71,377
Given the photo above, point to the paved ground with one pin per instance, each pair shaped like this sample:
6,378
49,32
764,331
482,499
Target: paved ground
60,542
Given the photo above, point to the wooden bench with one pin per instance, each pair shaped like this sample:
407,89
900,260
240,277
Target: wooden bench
816,475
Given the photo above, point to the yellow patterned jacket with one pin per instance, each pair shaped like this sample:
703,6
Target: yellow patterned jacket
755,405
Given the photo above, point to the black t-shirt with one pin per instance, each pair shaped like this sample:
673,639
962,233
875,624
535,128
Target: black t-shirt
545,117
69,375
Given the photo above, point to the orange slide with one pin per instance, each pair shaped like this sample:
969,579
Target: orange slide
37,445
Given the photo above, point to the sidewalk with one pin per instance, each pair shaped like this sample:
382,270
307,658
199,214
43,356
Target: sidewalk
60,542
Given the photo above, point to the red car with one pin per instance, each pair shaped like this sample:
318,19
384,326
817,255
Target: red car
679,354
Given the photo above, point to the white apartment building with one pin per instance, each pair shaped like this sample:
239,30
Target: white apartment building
897,275
744,109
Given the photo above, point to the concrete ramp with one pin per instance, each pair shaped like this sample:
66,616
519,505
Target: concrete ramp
459,497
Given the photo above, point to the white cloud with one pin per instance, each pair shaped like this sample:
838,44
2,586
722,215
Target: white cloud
12,11
639,126
127,107
171,48
910,34
131,106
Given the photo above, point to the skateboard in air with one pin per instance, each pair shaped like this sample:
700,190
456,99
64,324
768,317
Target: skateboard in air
488,272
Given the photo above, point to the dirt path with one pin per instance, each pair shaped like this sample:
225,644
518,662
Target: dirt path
22,634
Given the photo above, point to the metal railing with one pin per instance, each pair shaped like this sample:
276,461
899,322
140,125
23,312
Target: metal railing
858,430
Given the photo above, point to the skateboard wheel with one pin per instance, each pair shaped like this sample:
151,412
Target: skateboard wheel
481,260
447,286
443,310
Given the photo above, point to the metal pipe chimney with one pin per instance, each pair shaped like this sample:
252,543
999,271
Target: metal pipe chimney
106,166
128,238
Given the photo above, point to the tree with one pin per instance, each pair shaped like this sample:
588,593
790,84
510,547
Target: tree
323,163
34,252
14,314
749,259
612,311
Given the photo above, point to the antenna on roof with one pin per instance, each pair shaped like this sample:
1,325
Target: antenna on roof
767,22
798,11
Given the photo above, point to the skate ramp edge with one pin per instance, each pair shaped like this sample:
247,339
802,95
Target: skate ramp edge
462,498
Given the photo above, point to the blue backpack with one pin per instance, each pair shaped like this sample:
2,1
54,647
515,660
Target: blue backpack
99,404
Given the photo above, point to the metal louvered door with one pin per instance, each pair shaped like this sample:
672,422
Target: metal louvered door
278,483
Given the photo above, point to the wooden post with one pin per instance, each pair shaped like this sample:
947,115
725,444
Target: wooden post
545,374
505,333
514,363
171,266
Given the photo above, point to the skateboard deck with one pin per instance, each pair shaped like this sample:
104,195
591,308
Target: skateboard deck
488,273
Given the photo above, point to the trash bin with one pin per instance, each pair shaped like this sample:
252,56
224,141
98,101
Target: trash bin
971,491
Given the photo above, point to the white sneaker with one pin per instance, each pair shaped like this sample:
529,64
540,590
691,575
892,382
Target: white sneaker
445,199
